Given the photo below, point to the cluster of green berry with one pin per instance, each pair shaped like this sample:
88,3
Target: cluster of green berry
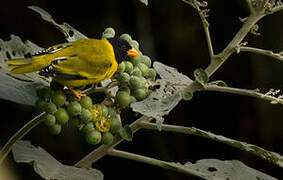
134,76
97,121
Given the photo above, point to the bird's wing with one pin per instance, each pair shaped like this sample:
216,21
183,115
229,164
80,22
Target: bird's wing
75,67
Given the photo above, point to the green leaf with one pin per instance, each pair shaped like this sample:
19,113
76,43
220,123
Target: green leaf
214,169
144,2
167,93
219,83
18,88
201,76
70,33
126,133
187,95
48,167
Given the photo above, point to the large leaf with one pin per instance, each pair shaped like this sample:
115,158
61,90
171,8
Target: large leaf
18,88
48,167
70,33
214,169
168,94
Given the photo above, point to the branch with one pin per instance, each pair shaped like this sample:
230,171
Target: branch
104,149
269,96
155,162
19,135
220,58
269,156
278,56
205,24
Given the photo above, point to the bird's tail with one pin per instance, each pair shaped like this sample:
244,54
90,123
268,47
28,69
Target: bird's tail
24,65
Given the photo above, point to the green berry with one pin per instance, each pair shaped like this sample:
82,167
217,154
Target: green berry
109,31
107,35
62,116
112,112
121,67
93,137
126,37
74,108
54,85
86,115
151,74
123,78
133,99
146,60
107,138
49,120
141,93
43,92
75,121
50,108
122,98
115,125
143,68
125,88
134,44
58,98
55,129
136,72
88,127
40,104
104,110
136,82
86,102
136,60
128,67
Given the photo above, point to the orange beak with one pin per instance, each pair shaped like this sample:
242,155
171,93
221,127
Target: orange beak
132,52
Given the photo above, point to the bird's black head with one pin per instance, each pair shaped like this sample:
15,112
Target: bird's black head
122,49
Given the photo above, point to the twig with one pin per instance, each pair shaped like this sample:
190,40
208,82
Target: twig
246,92
205,25
103,149
19,135
269,156
155,162
278,56
219,59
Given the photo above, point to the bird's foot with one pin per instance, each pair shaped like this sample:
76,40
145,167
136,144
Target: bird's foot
77,93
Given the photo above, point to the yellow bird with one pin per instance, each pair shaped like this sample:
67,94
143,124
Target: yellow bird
77,63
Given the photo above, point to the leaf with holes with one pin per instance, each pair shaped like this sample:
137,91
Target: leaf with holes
214,169
48,167
167,94
18,88
70,33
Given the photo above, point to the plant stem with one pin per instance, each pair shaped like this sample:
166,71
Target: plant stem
219,59
262,52
19,135
103,149
205,25
159,163
269,156
246,92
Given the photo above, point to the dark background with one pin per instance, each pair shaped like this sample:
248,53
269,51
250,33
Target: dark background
168,31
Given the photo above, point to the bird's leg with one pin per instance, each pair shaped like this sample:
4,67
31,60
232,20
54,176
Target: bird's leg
77,93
